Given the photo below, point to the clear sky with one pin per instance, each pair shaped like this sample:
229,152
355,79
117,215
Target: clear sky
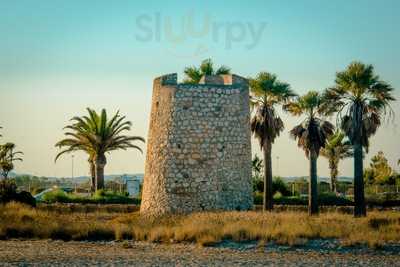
59,57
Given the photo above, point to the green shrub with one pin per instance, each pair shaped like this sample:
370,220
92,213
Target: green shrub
100,197
325,199
278,185
331,199
55,196
258,184
258,198
8,189
8,193
383,200
291,200
100,193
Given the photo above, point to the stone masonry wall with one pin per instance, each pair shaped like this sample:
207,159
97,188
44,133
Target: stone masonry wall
198,151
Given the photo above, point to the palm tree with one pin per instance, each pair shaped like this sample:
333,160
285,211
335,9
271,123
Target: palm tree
379,171
362,100
311,134
266,93
7,158
96,135
194,74
257,166
336,149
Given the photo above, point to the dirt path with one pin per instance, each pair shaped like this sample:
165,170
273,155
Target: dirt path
58,253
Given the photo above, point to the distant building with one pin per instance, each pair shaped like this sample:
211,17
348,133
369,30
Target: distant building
133,186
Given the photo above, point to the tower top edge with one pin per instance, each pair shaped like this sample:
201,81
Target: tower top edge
220,80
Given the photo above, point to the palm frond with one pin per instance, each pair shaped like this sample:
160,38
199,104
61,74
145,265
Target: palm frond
223,70
193,74
361,100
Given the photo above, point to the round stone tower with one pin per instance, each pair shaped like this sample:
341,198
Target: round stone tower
198,147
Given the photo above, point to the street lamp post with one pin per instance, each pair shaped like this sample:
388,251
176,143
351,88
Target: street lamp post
72,167
72,170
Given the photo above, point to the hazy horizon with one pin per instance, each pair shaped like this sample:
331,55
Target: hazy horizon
59,57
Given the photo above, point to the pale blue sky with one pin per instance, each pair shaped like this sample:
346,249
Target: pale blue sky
58,57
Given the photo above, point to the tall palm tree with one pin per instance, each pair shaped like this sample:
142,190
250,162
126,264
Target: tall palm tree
336,149
97,135
311,136
266,93
8,156
193,74
362,100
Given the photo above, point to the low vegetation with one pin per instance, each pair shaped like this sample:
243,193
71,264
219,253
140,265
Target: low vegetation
8,193
325,199
207,228
100,197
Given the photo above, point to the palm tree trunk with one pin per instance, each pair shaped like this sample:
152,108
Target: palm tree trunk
334,173
312,185
99,177
268,197
359,201
333,182
100,164
92,167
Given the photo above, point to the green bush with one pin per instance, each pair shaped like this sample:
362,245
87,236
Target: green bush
291,200
278,185
383,200
8,193
258,198
325,199
100,197
100,193
331,199
56,196
258,184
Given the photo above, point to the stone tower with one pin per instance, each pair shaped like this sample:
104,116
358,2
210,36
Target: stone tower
198,150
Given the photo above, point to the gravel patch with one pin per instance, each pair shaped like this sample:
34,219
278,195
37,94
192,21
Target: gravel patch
59,253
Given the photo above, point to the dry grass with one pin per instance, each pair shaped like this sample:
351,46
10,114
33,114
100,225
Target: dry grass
207,228
87,208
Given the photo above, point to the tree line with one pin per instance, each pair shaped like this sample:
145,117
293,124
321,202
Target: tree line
359,99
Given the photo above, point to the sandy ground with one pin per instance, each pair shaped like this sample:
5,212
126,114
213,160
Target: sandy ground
59,253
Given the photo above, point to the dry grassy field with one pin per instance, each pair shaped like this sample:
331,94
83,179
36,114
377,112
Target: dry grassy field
207,228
